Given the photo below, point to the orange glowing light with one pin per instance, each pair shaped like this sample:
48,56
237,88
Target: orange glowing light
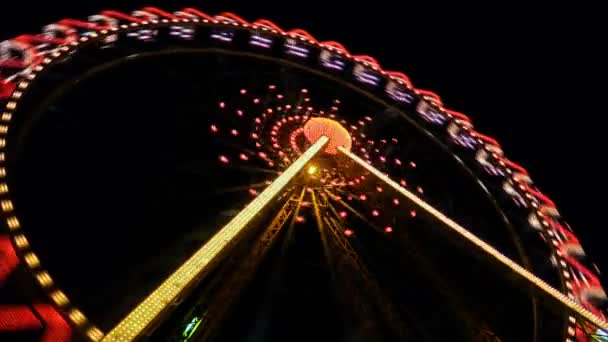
337,134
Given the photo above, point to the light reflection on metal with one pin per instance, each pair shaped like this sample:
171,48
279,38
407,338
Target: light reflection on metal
161,298
491,251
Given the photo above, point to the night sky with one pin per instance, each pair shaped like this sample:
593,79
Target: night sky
530,77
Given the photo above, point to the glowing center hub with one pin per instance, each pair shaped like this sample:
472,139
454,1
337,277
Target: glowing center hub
338,135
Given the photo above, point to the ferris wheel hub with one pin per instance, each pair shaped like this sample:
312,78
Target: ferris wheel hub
337,134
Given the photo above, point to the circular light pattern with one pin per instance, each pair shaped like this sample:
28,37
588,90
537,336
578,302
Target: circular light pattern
338,135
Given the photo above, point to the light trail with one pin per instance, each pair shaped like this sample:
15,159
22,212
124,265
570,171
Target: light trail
135,323
488,249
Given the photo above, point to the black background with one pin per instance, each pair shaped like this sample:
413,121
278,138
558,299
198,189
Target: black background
530,76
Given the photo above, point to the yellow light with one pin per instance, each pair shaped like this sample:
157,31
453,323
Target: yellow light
94,334
13,223
44,279
59,298
312,170
162,297
77,317
32,260
21,241
491,251
6,205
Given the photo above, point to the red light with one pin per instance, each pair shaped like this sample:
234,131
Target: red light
272,87
403,183
57,329
375,212
234,132
243,91
363,197
243,156
299,219
304,90
398,162
263,155
256,100
412,165
343,214
222,105
8,259
348,232
420,190
253,192
396,201
214,128
13,317
224,159
239,112
413,213
388,229
254,135
379,189
269,110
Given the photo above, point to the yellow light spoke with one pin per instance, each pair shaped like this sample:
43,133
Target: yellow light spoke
491,251
161,298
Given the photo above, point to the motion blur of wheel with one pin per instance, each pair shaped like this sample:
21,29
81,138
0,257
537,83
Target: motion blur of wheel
129,140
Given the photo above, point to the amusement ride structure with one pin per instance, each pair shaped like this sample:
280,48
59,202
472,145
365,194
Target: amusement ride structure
265,134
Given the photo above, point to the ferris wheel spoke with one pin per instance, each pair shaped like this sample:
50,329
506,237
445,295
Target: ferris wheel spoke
554,296
243,271
184,278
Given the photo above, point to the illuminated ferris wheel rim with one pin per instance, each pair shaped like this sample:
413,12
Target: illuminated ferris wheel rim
366,74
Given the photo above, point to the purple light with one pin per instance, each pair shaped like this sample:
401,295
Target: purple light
399,93
295,50
224,36
261,41
331,61
429,114
362,74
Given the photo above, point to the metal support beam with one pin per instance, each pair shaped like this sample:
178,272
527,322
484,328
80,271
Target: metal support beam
345,255
230,291
160,300
511,268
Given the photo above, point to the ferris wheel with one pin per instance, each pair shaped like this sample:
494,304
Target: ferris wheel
118,130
